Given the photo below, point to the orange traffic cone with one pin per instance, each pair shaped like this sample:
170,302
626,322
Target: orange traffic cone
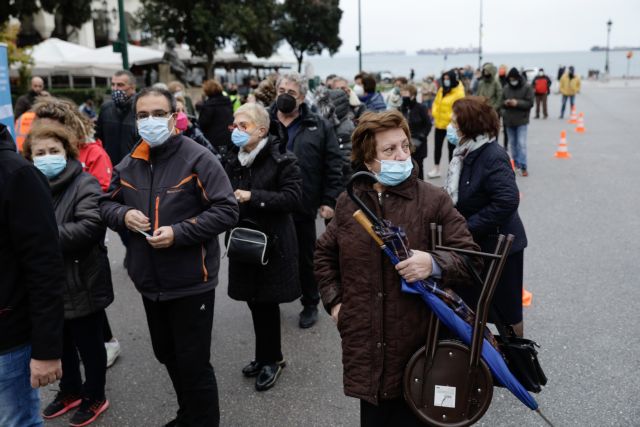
563,152
573,119
580,127
526,297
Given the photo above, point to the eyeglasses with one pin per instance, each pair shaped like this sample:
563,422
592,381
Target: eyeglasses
155,113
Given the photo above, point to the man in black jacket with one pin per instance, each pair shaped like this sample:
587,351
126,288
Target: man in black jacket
31,284
174,197
312,139
116,124
26,101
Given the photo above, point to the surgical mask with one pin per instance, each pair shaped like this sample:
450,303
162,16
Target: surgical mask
452,135
359,90
119,97
541,73
286,103
154,130
446,83
240,138
51,165
394,172
178,93
514,82
182,122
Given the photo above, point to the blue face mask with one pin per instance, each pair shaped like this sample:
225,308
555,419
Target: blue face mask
446,83
50,165
394,172
240,138
452,135
154,130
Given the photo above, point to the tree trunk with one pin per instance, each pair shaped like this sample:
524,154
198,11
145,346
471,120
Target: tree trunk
209,66
299,58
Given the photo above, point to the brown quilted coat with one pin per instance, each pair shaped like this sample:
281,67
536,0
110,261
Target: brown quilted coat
380,326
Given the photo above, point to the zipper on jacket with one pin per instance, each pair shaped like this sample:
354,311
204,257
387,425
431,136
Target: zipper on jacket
155,226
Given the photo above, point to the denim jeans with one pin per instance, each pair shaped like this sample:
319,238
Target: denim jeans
518,141
19,403
572,100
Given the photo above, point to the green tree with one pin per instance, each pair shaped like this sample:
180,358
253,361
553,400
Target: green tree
17,9
8,35
207,25
69,15
311,26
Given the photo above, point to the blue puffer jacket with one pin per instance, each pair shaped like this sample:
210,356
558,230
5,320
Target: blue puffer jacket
374,102
488,197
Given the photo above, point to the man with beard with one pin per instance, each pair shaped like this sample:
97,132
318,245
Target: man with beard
26,101
312,139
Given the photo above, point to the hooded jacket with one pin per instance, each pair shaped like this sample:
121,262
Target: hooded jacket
32,278
523,93
442,108
179,184
116,128
216,115
490,88
569,85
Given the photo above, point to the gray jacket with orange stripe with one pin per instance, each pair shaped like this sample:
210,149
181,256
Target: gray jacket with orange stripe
180,184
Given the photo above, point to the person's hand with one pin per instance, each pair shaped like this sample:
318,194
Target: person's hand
417,267
136,220
162,238
326,212
513,102
44,372
242,196
335,311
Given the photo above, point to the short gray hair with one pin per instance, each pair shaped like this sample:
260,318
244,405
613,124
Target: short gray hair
129,74
296,78
256,112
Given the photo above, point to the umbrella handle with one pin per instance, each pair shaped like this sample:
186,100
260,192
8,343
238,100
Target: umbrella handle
367,225
369,177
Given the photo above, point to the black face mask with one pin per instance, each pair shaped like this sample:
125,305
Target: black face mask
406,101
286,103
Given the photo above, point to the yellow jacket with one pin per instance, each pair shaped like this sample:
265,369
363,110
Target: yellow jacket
443,106
569,87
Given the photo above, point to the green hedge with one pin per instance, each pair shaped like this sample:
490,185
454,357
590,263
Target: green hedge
76,95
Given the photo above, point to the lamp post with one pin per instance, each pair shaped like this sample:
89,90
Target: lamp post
121,44
606,63
359,47
480,38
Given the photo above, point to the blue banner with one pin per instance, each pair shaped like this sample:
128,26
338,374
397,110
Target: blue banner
6,110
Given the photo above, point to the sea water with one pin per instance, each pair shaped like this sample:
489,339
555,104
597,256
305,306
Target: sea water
401,65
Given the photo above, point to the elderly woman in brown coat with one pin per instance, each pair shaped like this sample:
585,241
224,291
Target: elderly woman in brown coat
380,326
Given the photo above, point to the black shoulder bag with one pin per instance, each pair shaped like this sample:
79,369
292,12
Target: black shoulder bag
248,244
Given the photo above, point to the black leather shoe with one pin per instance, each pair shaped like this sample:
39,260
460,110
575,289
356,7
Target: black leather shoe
308,316
252,369
268,376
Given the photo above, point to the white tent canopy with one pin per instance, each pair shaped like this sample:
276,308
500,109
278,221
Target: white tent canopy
57,57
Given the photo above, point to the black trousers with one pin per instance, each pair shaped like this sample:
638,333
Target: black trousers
388,413
106,328
266,325
181,338
84,335
306,232
440,134
419,155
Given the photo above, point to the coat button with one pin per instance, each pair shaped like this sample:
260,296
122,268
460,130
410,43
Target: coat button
379,294
262,204
467,182
384,394
378,345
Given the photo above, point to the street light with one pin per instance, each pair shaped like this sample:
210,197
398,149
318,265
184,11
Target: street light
359,47
606,64
480,42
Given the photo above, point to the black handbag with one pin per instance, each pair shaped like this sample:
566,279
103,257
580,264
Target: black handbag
520,354
248,245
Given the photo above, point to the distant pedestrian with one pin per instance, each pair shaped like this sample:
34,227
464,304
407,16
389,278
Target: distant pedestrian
569,88
216,115
33,277
355,105
312,139
178,90
116,124
189,127
428,90
88,109
517,102
412,75
542,88
175,198
502,75
88,289
489,86
419,124
372,99
267,184
450,91
26,101
393,97
483,188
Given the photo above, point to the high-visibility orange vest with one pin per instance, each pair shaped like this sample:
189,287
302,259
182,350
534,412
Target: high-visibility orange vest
23,126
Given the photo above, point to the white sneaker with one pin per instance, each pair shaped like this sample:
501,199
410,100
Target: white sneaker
434,173
113,351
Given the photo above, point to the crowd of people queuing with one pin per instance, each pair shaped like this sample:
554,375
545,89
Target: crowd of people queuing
170,176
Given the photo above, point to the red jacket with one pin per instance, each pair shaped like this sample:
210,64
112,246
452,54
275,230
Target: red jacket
96,161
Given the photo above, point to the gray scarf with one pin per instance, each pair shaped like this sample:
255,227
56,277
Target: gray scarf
246,159
455,167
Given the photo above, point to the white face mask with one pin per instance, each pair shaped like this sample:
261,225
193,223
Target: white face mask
359,90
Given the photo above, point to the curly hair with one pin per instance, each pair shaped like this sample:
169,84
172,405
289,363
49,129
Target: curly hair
266,92
50,130
363,139
65,112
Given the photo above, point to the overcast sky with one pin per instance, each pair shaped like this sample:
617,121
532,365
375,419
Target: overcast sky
509,26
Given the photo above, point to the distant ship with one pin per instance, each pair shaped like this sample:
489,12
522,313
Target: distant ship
448,51
623,48
385,52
